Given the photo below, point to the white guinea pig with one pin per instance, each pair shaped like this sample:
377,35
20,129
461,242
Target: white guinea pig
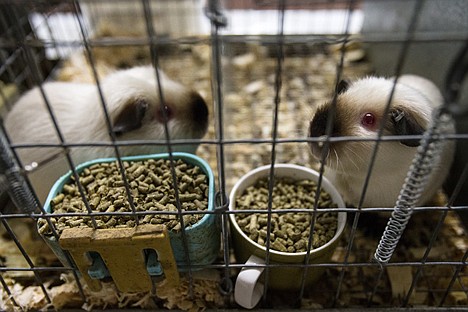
135,111
359,111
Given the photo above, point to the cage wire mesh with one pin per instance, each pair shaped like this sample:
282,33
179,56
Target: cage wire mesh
262,68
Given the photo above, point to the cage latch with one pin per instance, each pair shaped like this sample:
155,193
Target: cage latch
131,256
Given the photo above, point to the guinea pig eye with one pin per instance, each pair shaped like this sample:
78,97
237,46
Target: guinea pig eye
368,120
163,112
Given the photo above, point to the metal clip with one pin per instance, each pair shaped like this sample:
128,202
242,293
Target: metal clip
221,206
213,12
221,202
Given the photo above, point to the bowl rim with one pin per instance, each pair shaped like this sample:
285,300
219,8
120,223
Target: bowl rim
326,185
189,158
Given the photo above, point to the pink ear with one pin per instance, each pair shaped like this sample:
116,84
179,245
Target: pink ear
130,118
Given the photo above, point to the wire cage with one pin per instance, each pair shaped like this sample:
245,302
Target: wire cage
253,75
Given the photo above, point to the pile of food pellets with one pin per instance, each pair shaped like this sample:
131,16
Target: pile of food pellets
151,188
289,231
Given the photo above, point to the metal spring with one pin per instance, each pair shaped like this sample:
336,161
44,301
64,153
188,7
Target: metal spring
427,155
12,181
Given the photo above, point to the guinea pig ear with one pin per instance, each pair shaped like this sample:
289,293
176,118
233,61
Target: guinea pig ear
342,86
131,116
404,123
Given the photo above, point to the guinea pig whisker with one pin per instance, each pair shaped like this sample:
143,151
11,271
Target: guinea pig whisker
352,159
333,160
328,158
353,162
337,160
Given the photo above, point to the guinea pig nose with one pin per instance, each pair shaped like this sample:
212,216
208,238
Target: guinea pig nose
199,109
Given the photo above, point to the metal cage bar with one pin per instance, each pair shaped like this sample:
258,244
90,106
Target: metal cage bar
219,42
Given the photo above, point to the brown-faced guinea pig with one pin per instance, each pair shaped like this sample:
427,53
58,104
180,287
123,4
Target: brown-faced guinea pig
135,111
360,106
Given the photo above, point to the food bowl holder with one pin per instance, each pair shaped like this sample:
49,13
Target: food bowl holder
131,256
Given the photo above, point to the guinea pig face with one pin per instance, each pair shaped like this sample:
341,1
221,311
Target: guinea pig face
359,113
138,112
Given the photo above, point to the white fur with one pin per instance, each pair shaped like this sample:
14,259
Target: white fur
348,163
78,111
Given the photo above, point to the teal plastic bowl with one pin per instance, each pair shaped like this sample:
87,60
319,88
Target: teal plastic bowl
203,238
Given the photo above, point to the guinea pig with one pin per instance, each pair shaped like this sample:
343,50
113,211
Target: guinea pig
134,109
360,108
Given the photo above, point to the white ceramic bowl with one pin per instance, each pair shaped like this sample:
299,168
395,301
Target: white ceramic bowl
246,250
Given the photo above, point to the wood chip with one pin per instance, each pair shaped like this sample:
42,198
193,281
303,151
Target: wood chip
400,278
457,298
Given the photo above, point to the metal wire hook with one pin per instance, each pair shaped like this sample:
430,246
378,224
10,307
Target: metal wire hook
213,12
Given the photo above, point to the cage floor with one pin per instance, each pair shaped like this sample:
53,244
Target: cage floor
308,75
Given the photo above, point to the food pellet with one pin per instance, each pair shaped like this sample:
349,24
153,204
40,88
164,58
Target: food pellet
152,190
289,232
